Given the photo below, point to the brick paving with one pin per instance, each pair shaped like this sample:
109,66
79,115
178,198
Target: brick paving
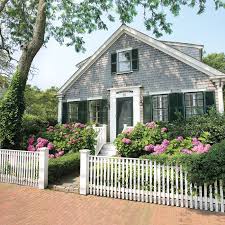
28,206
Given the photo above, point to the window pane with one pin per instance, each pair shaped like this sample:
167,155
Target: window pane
124,66
124,56
194,104
73,112
160,108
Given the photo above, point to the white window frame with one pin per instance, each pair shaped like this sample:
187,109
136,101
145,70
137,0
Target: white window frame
118,62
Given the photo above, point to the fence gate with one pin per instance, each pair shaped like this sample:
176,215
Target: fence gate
147,181
24,167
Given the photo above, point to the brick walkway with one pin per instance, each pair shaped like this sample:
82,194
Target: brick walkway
27,206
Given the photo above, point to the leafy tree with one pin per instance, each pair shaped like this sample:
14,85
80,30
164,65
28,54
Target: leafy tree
42,104
215,60
29,24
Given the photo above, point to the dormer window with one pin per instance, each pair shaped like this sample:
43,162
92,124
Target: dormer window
124,61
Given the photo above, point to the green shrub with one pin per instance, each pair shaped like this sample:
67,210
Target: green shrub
62,166
33,125
212,122
71,137
131,142
208,167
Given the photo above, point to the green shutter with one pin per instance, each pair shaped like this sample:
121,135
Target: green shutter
135,61
82,112
147,109
209,100
176,106
103,111
65,112
113,63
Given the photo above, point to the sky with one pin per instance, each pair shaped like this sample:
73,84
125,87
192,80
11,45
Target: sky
55,63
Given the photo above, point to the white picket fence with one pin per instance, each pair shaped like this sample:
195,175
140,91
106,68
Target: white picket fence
101,137
24,168
147,181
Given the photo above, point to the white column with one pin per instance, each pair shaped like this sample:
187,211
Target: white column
112,115
60,108
43,168
84,171
136,106
220,99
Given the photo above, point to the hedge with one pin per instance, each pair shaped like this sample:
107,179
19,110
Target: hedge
62,166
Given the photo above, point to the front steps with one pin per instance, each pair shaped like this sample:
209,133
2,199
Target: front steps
108,150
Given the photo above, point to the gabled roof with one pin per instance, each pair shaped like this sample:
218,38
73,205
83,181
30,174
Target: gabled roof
211,72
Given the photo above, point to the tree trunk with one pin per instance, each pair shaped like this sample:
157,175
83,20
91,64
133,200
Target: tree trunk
12,106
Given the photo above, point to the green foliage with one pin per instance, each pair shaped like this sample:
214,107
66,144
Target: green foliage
207,168
71,137
42,104
11,112
59,167
212,122
215,60
75,18
140,136
33,125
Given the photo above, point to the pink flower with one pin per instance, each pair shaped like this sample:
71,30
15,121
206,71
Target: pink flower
50,146
180,138
186,151
51,156
128,131
61,153
195,141
201,148
31,148
31,140
165,142
57,155
126,141
149,148
164,129
79,125
159,149
151,125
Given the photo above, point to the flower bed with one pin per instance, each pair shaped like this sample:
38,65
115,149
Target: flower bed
62,139
153,139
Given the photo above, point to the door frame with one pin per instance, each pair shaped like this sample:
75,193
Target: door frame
121,92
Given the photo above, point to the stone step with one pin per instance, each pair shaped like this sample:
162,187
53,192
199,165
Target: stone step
108,150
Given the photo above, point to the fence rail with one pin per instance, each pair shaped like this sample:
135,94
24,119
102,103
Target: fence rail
148,181
101,138
24,168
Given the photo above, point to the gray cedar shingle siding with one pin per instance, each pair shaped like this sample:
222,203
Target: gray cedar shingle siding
157,72
191,51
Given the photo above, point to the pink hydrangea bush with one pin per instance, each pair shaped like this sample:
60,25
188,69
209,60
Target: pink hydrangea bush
62,139
41,143
153,139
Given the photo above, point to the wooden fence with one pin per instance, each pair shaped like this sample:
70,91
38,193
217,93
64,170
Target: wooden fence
147,181
24,168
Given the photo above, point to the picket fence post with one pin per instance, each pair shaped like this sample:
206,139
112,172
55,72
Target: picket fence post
84,171
43,168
